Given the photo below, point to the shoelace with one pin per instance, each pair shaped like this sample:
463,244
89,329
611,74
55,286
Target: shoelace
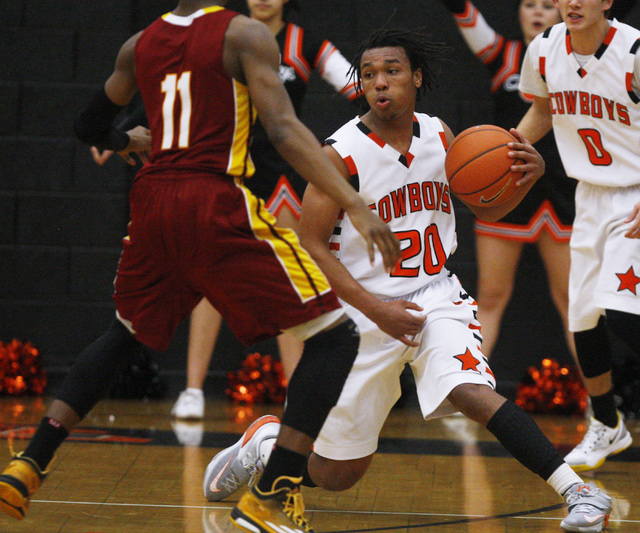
254,467
585,506
294,509
232,483
592,438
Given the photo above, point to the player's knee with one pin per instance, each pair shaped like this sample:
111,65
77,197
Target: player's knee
594,350
626,326
494,296
337,475
319,377
477,402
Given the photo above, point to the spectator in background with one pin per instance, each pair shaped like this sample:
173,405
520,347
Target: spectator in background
546,214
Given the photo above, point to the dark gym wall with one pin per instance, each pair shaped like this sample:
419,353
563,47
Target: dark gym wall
62,216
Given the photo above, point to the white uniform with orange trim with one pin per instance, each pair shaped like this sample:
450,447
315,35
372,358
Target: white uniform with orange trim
595,107
411,194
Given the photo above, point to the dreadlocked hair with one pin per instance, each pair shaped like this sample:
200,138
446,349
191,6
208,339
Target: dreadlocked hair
420,49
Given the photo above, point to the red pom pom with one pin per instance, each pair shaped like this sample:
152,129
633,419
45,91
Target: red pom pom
259,380
20,371
552,389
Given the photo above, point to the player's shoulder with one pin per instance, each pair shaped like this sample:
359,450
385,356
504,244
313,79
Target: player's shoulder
245,30
552,32
631,32
346,127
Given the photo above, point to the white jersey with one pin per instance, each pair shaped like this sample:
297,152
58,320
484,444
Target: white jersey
410,193
595,110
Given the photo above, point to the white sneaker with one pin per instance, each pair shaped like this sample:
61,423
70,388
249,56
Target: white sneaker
240,464
188,433
588,509
599,442
190,404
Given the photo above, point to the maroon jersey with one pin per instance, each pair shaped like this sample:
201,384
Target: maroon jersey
200,117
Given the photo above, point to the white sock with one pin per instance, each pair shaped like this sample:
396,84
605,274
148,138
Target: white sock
563,478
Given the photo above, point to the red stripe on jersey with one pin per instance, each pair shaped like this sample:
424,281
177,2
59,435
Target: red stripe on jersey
468,17
628,79
510,65
351,165
545,219
543,66
326,49
567,41
489,53
376,139
443,138
334,246
293,52
609,37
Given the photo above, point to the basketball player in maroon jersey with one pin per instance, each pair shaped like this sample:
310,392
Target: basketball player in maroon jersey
196,231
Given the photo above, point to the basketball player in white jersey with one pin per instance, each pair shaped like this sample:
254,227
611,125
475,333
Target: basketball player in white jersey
585,76
419,313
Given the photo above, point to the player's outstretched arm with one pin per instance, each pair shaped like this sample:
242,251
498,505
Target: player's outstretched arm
252,57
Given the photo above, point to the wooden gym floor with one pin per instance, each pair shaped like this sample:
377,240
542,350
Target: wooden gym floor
127,470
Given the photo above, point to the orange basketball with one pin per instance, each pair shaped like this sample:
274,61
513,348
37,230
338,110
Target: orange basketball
478,167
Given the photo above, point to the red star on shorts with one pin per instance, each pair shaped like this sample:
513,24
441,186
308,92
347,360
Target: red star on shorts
469,362
628,280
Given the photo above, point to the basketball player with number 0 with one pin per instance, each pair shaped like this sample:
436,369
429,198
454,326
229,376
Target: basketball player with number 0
585,76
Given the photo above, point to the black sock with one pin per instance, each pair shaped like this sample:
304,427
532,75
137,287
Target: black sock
604,409
282,462
306,478
47,439
523,439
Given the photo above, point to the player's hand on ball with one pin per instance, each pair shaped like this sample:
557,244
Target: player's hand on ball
528,159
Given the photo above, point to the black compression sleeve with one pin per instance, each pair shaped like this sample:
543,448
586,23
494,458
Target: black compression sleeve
94,125
138,117
455,6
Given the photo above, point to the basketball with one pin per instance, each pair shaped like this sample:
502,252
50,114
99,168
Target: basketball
478,167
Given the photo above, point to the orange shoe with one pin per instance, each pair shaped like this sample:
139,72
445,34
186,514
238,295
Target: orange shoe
18,482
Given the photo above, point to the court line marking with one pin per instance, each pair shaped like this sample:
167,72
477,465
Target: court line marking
518,515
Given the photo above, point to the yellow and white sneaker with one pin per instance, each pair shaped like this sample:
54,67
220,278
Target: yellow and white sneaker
599,442
281,509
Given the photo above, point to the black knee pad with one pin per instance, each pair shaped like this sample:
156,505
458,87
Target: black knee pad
626,326
97,368
594,350
319,377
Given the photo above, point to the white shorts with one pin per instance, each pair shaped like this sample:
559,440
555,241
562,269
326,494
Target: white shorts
604,263
447,356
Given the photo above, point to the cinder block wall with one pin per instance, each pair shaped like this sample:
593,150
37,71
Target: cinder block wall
62,216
